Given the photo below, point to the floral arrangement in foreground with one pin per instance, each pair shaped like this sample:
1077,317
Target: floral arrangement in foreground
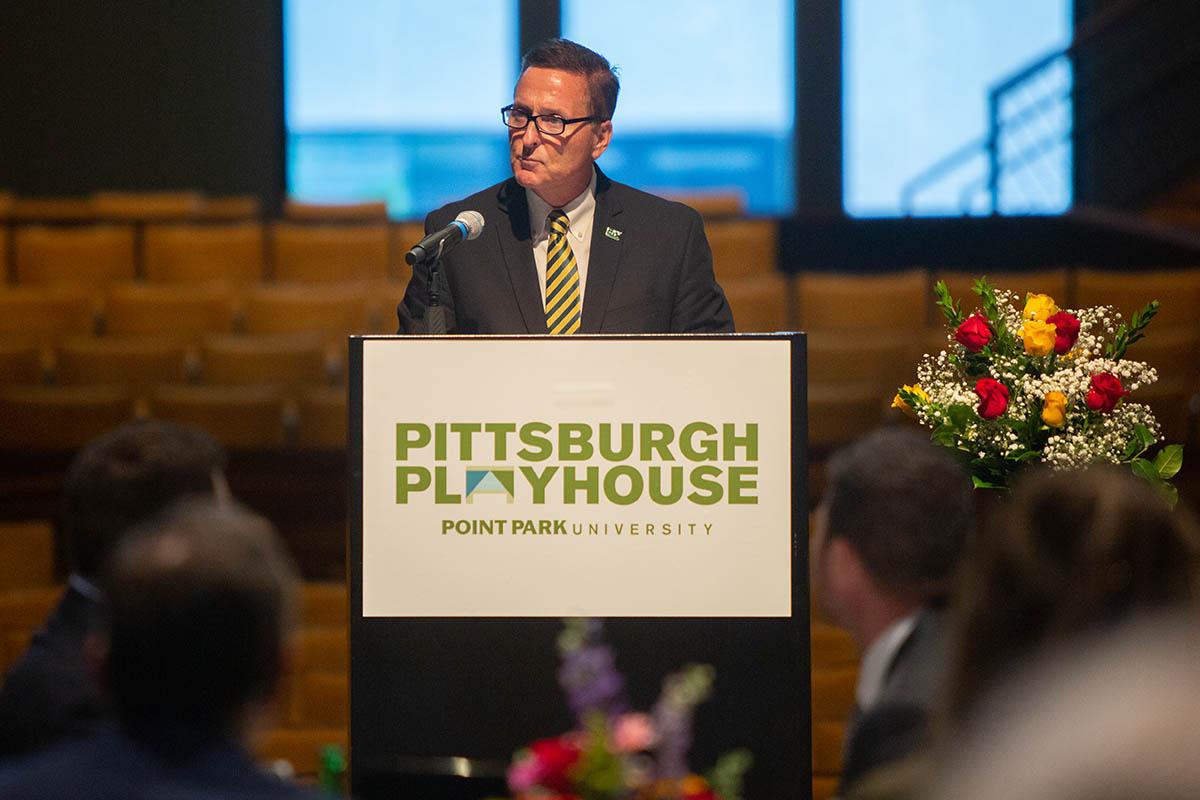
1040,384
616,752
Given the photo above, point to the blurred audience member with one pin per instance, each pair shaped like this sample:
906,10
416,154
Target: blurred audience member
889,535
1108,717
116,481
1071,552
201,601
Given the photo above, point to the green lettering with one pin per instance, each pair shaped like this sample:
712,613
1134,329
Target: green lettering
636,486
574,441
741,480
538,482
607,451
589,483
465,431
702,479
537,446
410,479
409,435
675,492
733,441
656,437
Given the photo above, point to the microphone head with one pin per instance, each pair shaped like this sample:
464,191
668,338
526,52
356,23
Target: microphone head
473,220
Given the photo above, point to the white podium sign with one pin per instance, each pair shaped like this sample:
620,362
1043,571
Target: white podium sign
576,476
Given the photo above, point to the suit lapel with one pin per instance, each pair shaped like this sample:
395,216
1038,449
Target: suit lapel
518,257
604,257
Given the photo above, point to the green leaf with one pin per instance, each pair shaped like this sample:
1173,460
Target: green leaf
960,414
1145,469
951,309
980,483
1169,461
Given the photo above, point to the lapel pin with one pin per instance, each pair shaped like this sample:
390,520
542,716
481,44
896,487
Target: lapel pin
613,234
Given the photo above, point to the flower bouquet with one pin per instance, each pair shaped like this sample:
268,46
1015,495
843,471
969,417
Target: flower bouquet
1041,384
616,753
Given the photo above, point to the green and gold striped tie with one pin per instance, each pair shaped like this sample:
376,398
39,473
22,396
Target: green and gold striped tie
562,279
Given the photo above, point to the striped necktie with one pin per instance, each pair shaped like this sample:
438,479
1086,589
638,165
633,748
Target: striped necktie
562,279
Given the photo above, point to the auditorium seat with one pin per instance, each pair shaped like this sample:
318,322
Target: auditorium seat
321,699
59,417
1173,351
323,648
322,418
827,738
22,611
21,362
307,211
759,302
287,360
382,297
229,251
333,310
136,362
6,275
6,204
894,301
45,312
324,603
299,747
183,311
1171,399
713,204
26,554
839,413
1177,290
240,417
1054,282
743,247
134,206
831,647
232,207
310,251
52,209
87,255
860,357
401,237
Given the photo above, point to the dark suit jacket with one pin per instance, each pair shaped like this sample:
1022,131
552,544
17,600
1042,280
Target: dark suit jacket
49,694
649,271
163,764
896,726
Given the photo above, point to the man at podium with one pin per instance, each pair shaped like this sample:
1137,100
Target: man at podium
559,248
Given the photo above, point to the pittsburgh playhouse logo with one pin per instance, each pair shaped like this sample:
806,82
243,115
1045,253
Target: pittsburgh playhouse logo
700,463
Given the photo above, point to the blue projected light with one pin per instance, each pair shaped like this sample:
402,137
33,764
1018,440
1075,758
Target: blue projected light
377,109
915,87
707,94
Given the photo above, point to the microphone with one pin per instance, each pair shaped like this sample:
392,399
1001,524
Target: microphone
467,225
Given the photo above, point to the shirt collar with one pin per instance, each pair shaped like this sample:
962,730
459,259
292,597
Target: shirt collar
877,661
85,587
582,207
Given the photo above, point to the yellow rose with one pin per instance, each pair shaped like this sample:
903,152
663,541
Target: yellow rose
1039,307
1039,337
1054,409
899,402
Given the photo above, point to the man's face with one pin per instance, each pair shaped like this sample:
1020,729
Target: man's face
556,167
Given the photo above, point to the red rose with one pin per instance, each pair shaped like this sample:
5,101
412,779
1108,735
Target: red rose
554,758
1104,393
1066,330
993,397
974,333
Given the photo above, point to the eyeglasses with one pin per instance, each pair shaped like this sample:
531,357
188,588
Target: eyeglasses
550,124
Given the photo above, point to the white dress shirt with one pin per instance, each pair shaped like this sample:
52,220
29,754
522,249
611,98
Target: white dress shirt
579,218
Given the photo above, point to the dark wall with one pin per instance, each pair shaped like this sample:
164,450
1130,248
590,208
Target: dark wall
1137,100
156,94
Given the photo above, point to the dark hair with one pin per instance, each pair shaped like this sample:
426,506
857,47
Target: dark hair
1072,551
905,505
565,55
199,602
125,476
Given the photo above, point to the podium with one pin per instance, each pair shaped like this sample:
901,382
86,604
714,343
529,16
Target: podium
499,484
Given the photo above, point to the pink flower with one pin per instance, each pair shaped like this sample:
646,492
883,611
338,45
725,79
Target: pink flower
634,732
